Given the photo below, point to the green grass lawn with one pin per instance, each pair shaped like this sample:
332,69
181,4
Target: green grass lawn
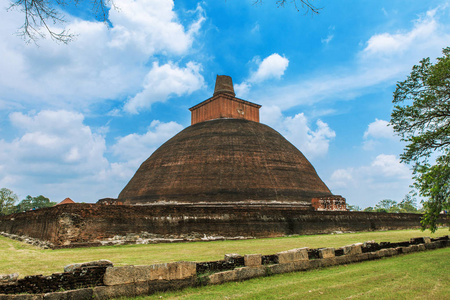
420,275
28,260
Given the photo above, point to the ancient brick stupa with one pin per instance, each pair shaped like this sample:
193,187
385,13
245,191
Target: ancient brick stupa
226,156
224,177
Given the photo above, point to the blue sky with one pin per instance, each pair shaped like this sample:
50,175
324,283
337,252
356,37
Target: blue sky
77,120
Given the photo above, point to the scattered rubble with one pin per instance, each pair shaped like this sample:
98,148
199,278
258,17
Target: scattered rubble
29,240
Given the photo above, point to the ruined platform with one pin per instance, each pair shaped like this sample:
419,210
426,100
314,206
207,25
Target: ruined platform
75,225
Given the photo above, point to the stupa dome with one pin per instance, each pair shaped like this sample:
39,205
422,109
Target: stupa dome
225,160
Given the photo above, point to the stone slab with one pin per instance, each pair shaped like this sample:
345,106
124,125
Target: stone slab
97,263
292,255
249,272
252,260
114,291
352,249
119,275
132,274
326,252
81,294
8,278
238,274
232,256
21,297
221,277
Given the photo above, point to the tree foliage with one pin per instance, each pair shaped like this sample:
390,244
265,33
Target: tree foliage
30,203
421,117
407,205
41,15
7,200
353,207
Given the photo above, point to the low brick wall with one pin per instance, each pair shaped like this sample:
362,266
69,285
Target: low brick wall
101,280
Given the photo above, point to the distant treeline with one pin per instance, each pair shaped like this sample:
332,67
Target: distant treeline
8,200
407,205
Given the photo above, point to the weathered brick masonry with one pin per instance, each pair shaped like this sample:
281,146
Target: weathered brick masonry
76,224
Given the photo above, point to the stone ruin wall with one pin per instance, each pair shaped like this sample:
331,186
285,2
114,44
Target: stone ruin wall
331,203
75,225
101,280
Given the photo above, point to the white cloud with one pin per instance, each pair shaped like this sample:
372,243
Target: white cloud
59,156
376,131
384,178
311,142
100,63
342,177
394,43
137,147
55,148
163,81
387,57
242,89
272,66
55,142
327,40
379,129
390,166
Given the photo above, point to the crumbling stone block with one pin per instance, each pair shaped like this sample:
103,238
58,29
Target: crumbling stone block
237,274
173,271
352,249
232,256
221,277
98,263
292,255
131,274
252,260
142,288
81,294
8,278
387,252
119,275
326,252
282,268
247,273
21,297
328,262
432,245
114,291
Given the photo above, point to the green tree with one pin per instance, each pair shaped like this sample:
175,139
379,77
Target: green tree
408,205
7,200
25,204
34,203
353,207
386,205
41,202
421,117
369,209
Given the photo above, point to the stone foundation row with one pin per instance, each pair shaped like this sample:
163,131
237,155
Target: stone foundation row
131,281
